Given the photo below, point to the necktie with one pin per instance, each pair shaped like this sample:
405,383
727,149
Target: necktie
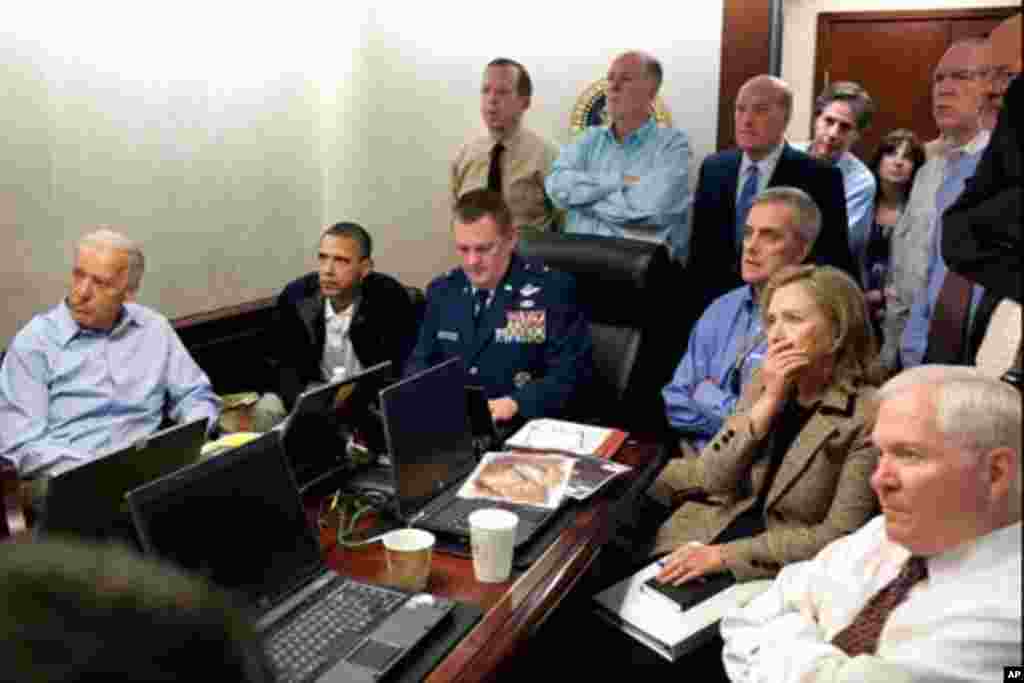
861,636
947,332
480,304
494,173
747,195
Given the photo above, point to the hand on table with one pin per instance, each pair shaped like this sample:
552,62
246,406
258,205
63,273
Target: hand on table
691,561
503,409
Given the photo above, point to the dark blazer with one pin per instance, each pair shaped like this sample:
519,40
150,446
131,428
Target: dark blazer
714,260
532,344
821,491
981,232
384,328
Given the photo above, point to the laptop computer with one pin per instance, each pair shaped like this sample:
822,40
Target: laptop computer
315,435
238,520
432,453
88,500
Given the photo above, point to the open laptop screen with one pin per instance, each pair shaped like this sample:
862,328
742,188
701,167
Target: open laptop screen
88,499
315,434
236,519
428,434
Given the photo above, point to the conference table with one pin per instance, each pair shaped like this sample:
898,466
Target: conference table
513,610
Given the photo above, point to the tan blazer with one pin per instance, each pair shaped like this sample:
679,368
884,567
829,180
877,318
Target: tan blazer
821,491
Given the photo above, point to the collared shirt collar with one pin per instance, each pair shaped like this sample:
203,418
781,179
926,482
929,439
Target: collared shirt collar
508,138
330,314
68,328
973,146
637,136
979,552
765,166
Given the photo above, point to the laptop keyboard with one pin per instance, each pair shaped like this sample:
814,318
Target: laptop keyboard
327,627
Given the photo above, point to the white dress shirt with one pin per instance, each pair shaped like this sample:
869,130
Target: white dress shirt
339,358
962,623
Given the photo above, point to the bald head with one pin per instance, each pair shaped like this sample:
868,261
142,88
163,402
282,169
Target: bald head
1005,56
763,108
633,81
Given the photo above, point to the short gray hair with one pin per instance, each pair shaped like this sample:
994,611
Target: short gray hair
104,236
979,412
806,211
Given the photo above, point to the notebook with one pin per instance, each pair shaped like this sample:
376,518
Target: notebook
431,447
89,499
673,621
239,521
315,434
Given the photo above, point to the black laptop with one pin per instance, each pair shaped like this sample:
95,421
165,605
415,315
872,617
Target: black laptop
432,453
88,500
238,520
316,433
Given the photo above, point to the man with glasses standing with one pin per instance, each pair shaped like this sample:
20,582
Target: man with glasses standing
982,230
514,323
926,321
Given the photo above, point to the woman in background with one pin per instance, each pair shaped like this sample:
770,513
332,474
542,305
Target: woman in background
895,164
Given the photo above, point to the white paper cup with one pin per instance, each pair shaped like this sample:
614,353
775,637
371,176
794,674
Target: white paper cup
408,554
492,535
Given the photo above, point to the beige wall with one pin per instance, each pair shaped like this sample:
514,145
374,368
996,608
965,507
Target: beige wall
224,146
800,25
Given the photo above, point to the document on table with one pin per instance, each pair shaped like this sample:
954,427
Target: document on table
546,434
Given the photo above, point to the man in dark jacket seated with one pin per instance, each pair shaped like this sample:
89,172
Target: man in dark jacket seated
343,318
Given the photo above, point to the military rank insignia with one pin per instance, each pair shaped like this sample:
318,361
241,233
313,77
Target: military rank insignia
522,327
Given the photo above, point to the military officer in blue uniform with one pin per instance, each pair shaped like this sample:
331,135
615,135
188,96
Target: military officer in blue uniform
514,323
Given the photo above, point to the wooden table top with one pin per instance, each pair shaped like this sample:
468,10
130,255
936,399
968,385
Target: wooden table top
515,608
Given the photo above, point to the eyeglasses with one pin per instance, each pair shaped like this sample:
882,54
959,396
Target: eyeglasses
1003,76
959,75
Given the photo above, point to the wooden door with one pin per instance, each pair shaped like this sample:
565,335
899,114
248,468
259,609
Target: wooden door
892,54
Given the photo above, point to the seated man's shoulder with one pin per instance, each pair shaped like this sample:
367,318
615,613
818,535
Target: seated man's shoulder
301,288
144,315
447,282
537,271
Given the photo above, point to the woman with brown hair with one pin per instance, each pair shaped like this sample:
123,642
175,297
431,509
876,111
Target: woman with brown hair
894,165
789,471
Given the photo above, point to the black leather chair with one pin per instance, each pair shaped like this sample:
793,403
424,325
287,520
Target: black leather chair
624,287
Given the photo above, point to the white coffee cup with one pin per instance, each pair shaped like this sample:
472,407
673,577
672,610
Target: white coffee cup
492,535
408,554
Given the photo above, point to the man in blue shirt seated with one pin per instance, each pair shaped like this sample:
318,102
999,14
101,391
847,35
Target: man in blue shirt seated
842,112
98,371
727,343
630,178
515,323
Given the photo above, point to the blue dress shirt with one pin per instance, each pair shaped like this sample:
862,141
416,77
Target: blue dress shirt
588,179
69,394
728,330
914,343
860,188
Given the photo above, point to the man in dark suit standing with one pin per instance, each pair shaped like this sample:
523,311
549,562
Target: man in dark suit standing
729,181
343,318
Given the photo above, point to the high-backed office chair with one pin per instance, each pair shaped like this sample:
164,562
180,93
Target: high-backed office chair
622,286
12,521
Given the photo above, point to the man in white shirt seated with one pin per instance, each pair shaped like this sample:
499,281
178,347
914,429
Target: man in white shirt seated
931,589
97,371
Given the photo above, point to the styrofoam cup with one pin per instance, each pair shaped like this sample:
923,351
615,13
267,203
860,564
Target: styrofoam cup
492,536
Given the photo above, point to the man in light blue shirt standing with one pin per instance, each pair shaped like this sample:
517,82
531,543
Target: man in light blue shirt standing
959,85
842,112
628,179
728,342
97,371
